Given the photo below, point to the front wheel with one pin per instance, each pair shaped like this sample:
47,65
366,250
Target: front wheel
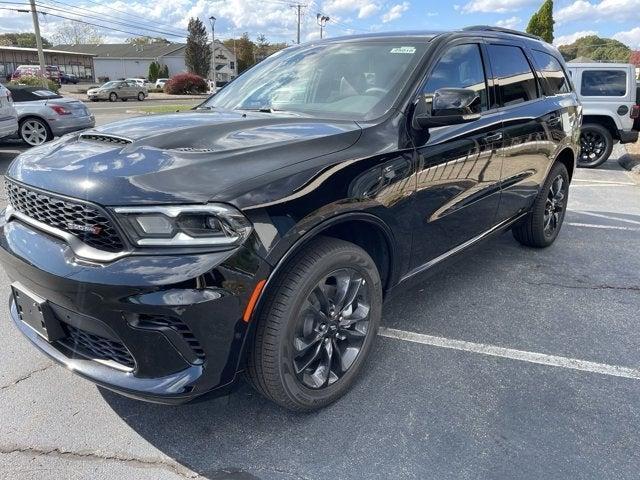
140,96
596,144
317,326
113,96
541,226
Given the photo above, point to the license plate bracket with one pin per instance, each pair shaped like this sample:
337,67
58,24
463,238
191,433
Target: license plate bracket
35,312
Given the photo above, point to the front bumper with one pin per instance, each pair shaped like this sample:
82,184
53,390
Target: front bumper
178,316
98,96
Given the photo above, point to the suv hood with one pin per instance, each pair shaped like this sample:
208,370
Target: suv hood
177,158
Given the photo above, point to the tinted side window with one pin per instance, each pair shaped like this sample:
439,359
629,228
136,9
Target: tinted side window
554,76
514,78
460,67
604,83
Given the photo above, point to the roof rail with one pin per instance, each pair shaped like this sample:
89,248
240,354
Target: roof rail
488,28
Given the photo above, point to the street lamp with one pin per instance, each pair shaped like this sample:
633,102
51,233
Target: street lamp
322,21
212,19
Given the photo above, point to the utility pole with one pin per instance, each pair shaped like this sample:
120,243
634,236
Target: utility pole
36,28
212,19
322,21
299,7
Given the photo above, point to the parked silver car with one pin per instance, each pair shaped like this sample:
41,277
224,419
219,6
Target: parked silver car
117,90
8,117
43,114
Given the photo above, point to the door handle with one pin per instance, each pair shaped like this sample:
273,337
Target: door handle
495,137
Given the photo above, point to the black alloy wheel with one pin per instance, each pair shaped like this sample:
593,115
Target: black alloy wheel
331,328
555,205
316,325
596,144
541,226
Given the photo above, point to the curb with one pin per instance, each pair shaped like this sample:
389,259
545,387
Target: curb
630,162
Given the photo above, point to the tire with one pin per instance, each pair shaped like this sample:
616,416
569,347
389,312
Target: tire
596,144
113,97
289,325
541,226
34,131
141,96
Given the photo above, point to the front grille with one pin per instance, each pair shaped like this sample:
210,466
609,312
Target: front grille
86,222
154,321
101,138
96,347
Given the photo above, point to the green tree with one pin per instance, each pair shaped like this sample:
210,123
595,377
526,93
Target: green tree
164,72
244,48
197,55
24,39
541,22
154,71
596,48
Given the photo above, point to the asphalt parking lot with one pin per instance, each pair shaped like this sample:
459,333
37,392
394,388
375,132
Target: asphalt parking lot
514,363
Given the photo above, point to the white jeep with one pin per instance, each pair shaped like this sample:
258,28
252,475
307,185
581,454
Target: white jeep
610,98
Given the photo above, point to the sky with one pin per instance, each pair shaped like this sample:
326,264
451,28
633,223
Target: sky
277,19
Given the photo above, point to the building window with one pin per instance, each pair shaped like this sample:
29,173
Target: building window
232,65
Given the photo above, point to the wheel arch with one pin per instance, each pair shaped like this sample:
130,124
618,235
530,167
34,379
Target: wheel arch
606,121
567,157
371,234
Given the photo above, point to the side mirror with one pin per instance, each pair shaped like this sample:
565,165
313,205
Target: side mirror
449,106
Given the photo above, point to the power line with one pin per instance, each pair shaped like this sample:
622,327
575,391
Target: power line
115,22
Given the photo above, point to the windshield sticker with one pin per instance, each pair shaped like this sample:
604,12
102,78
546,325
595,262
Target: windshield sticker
409,50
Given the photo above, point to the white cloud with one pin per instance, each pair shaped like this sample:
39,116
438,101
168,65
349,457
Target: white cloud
363,8
630,37
432,14
511,22
395,12
572,37
605,10
497,6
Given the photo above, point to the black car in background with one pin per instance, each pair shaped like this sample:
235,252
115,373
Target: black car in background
162,256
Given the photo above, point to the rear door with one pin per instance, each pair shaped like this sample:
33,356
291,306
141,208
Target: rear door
520,99
458,183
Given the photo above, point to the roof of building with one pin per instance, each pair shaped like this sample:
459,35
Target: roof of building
125,50
46,50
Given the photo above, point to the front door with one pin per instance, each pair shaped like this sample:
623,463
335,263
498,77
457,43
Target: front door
458,184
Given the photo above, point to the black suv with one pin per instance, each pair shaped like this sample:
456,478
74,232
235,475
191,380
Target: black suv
162,256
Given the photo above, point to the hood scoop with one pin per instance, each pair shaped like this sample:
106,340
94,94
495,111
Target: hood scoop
102,138
193,150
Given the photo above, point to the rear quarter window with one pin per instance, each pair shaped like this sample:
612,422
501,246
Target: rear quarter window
555,79
603,83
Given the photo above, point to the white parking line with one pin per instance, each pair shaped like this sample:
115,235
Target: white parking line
521,355
608,182
608,217
603,227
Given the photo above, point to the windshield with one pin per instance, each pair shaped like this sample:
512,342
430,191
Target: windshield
356,80
110,84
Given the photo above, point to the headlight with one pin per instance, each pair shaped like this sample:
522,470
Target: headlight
185,225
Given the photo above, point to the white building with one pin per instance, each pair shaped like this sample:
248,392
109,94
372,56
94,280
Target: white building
124,60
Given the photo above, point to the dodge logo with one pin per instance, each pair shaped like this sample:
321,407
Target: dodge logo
93,229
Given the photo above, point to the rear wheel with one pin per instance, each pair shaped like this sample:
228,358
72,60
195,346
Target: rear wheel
34,131
317,326
596,144
541,226
140,96
113,96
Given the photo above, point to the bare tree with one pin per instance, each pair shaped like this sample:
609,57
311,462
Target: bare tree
71,33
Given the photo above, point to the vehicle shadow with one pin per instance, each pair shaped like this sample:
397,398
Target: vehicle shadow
9,149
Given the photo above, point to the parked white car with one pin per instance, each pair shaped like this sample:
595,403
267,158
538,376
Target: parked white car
610,99
160,82
8,114
142,82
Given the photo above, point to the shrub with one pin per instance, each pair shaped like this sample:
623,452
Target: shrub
185,83
34,81
154,70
